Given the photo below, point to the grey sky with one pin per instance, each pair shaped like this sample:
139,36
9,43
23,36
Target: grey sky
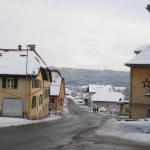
93,34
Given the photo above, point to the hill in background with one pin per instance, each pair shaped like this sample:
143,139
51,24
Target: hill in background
79,77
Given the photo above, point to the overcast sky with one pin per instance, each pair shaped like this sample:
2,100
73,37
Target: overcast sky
89,34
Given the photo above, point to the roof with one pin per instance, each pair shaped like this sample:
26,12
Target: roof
96,88
142,58
56,83
54,90
13,62
106,96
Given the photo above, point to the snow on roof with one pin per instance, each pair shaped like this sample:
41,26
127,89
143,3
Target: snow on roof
96,88
120,88
143,58
14,62
105,96
54,90
56,83
56,78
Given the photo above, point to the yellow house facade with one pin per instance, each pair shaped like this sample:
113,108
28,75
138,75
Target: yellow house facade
24,92
140,83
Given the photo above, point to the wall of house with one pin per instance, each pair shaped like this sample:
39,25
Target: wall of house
61,96
18,93
42,109
139,86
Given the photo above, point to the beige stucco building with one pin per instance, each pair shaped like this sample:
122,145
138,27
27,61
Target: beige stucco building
24,83
140,83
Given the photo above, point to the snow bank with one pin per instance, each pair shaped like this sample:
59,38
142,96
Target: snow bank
129,130
8,122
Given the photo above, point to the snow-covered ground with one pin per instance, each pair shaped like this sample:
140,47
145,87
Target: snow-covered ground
137,131
9,122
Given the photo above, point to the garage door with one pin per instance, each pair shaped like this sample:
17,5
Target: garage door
12,107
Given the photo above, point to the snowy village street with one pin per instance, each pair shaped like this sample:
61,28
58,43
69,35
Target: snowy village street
75,131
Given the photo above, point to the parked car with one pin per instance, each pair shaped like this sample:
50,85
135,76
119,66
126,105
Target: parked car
79,101
102,109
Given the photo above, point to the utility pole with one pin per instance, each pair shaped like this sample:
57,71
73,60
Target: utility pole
26,80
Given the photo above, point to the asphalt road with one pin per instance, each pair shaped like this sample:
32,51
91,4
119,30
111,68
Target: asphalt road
74,132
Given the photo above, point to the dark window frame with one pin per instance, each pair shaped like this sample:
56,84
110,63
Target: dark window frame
10,83
34,102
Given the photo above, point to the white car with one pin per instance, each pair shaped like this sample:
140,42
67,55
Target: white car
102,109
80,101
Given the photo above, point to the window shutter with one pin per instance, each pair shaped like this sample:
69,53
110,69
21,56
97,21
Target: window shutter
15,83
3,82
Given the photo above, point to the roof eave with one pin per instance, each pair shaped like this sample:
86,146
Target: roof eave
138,65
16,75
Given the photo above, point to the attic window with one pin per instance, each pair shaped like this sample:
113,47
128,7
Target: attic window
23,55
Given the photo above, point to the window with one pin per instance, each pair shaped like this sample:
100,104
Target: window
52,100
46,93
9,83
34,102
41,99
36,83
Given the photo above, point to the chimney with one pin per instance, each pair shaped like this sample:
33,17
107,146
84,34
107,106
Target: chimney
19,47
137,51
32,47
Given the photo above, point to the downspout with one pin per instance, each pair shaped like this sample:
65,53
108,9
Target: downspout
130,91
